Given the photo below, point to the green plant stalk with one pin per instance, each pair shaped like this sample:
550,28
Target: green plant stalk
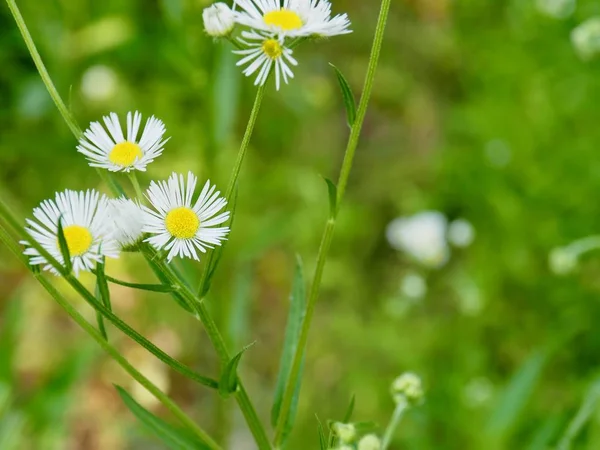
136,186
237,167
585,412
218,342
60,104
98,306
243,399
401,407
113,352
330,225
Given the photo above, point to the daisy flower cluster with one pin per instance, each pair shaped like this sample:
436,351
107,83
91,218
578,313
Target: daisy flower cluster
270,29
171,217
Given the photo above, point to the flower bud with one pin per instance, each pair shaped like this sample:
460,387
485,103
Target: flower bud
219,20
344,431
586,38
562,261
407,388
369,442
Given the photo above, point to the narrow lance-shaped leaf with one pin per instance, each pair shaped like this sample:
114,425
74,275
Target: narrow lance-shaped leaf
349,101
215,258
163,288
64,247
292,336
103,295
322,439
173,437
332,191
228,380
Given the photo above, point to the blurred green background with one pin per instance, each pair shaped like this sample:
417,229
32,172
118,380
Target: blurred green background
481,110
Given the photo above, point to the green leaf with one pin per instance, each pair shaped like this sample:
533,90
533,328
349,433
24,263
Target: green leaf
157,271
349,101
292,335
173,437
217,253
349,410
102,294
322,439
515,396
164,288
64,248
228,380
332,191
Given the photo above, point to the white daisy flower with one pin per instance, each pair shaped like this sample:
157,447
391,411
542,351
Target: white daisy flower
111,150
294,18
85,226
181,225
219,20
127,218
266,50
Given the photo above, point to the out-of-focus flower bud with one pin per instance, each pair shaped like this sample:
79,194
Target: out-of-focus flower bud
219,20
422,236
407,388
562,261
346,432
369,442
586,38
461,233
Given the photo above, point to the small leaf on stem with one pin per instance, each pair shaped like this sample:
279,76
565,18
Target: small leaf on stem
349,101
64,248
228,380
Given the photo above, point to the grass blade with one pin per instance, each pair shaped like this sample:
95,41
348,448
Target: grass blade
292,335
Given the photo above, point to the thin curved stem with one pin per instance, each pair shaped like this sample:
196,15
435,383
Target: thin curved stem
401,407
7,239
330,225
135,374
235,173
241,395
56,98
98,306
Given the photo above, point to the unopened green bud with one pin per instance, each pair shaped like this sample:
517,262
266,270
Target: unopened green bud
346,432
586,38
407,388
562,261
369,442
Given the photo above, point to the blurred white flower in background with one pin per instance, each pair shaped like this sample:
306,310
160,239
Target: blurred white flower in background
477,392
558,9
99,83
562,261
421,236
413,286
586,38
461,233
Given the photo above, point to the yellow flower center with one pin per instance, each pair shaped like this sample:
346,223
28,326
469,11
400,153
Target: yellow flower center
183,223
285,19
79,239
125,153
272,49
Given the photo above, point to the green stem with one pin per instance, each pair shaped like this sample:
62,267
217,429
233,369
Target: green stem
218,342
114,353
401,407
7,239
260,92
136,186
60,104
353,140
94,303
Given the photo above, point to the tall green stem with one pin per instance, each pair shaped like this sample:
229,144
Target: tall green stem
330,225
235,173
394,421
9,219
58,101
113,352
218,342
